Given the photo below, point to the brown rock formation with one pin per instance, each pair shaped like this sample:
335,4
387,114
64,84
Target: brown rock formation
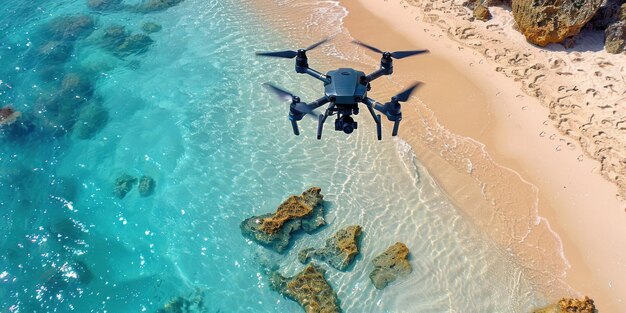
551,21
8,115
339,251
295,207
309,288
567,305
481,12
123,185
390,264
615,34
274,230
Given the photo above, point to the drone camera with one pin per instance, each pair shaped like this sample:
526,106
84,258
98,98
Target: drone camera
345,124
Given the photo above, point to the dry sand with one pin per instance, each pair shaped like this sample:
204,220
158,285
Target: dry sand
479,78
489,144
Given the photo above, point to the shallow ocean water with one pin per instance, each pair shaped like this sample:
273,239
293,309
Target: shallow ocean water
190,112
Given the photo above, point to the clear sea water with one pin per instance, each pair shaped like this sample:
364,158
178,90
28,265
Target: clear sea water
191,113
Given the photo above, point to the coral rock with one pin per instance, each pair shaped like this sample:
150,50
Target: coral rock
482,13
188,304
567,305
92,119
339,251
123,185
8,116
55,51
551,21
104,5
69,28
150,27
390,264
148,6
615,38
146,186
274,230
309,288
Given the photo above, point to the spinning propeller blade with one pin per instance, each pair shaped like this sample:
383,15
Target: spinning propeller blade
404,95
295,101
281,93
395,55
290,54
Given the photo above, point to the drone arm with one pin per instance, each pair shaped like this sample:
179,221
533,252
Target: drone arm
378,73
317,75
318,103
370,103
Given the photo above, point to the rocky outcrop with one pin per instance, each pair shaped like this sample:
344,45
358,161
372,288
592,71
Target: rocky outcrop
390,265
69,28
8,116
122,43
150,27
551,21
91,119
274,230
481,12
567,305
123,185
186,304
148,6
104,5
309,288
615,34
146,186
339,251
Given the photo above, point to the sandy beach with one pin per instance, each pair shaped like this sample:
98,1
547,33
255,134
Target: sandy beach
490,125
537,188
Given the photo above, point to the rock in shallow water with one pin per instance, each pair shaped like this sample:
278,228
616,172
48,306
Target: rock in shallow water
148,6
339,251
309,288
123,185
551,21
104,5
91,119
567,305
69,28
390,265
150,27
146,186
274,230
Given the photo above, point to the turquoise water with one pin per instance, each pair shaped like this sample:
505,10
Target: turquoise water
189,111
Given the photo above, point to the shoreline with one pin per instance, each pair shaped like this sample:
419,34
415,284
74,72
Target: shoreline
511,136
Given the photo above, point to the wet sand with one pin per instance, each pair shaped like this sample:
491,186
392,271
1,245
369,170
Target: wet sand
549,175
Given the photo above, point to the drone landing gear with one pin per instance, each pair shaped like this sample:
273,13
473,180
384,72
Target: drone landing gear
396,125
294,125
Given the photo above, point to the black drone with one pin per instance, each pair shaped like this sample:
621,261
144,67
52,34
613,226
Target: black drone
344,89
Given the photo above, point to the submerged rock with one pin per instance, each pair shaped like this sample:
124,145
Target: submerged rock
148,6
274,230
123,185
548,21
122,43
92,119
150,27
146,186
69,27
309,288
187,304
55,51
390,265
567,305
339,251
76,85
104,5
8,116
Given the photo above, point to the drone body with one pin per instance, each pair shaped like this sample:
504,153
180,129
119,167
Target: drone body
344,90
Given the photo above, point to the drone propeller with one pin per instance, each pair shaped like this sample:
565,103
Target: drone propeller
285,95
392,109
290,54
396,55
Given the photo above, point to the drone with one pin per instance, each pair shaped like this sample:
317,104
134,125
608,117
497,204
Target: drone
344,90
